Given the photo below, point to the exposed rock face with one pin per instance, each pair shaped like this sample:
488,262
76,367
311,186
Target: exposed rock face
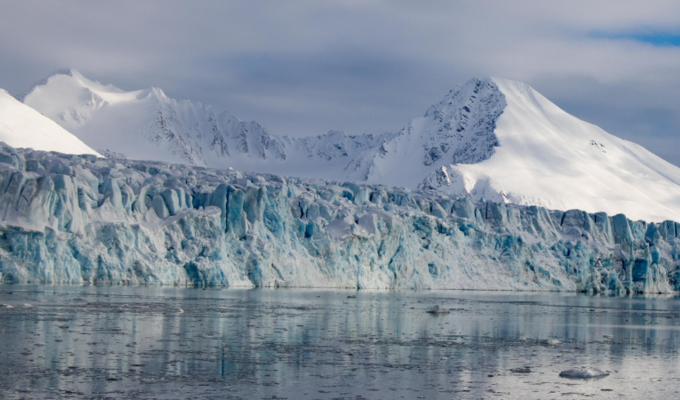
69,218
465,123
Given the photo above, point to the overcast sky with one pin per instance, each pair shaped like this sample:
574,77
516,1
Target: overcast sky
305,67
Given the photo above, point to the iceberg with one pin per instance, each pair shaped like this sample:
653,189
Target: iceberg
584,373
84,219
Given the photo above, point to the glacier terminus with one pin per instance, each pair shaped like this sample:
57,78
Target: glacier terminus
86,219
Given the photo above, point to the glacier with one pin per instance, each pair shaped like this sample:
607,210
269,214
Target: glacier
84,219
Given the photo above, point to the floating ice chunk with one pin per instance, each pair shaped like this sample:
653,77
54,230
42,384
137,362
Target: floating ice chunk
436,310
583,373
551,342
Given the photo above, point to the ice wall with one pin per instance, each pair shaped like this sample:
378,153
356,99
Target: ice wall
68,218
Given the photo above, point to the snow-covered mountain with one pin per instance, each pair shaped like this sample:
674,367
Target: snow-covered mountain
148,125
22,126
489,138
143,124
546,157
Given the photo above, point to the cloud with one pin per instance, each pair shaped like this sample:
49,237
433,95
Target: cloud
305,67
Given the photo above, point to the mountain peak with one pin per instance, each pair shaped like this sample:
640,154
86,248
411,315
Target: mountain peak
469,89
66,71
69,72
43,81
460,128
151,92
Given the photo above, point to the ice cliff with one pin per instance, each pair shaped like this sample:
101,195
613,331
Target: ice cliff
69,218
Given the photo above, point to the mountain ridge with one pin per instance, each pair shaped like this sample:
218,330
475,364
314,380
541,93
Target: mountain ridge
490,138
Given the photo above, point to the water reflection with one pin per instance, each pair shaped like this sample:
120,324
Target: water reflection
121,342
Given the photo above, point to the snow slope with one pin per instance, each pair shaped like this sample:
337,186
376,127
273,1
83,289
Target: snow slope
549,158
489,139
22,126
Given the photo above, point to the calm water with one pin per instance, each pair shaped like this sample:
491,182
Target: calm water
121,342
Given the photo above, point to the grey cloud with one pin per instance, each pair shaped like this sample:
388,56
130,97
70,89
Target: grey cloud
305,67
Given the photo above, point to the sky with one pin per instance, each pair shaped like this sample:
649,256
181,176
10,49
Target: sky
306,67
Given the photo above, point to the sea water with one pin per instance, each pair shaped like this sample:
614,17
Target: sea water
172,343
